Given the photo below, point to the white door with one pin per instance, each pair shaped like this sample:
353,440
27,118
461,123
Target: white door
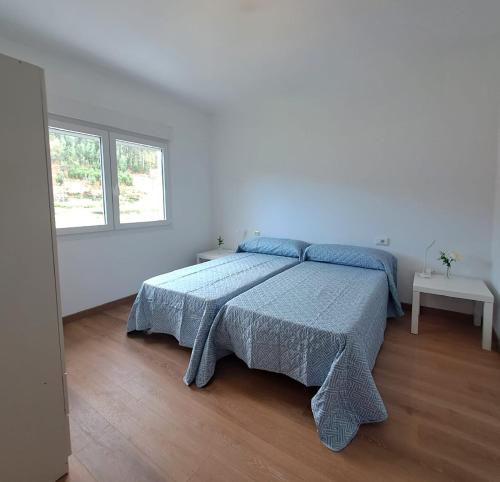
34,434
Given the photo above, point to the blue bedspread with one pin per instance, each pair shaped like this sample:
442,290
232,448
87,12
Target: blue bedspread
319,323
177,303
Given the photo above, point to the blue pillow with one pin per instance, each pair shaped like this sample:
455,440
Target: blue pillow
361,258
276,246
349,255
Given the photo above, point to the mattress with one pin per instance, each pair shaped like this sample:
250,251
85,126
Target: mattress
321,324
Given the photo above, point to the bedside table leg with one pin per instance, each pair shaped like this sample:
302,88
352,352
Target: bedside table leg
415,312
478,312
487,325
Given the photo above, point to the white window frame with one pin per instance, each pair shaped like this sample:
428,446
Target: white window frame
109,136
148,142
79,128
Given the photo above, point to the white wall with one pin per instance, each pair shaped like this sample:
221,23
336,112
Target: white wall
403,147
97,268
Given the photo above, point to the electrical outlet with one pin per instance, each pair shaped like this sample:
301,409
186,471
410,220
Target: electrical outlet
382,241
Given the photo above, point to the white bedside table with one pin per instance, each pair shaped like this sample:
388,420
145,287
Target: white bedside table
212,254
456,287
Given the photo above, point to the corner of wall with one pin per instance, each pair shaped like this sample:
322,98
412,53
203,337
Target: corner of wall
495,241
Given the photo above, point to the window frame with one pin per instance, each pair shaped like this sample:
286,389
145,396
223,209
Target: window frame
109,136
148,142
76,127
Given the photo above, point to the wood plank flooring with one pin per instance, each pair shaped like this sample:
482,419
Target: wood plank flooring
133,419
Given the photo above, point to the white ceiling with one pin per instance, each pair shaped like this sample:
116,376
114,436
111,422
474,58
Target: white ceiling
215,51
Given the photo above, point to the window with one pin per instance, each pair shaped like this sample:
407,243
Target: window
78,177
106,179
141,181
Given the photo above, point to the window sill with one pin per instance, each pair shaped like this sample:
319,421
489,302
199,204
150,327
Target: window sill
63,232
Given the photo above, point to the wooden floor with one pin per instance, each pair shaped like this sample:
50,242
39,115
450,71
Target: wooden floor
132,418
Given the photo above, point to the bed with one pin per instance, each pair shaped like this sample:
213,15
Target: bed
322,323
179,302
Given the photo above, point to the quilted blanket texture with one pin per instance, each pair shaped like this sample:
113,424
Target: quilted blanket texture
319,323
177,303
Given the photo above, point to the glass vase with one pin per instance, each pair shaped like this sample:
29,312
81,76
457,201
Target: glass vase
448,271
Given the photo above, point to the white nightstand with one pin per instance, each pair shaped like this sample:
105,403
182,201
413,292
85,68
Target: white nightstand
212,254
457,287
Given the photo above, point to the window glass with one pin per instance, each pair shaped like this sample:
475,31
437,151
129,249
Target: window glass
77,179
140,182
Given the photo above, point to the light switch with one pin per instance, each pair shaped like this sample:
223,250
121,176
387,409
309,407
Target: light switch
382,241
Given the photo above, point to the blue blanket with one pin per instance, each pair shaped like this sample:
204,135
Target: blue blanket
177,303
319,323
